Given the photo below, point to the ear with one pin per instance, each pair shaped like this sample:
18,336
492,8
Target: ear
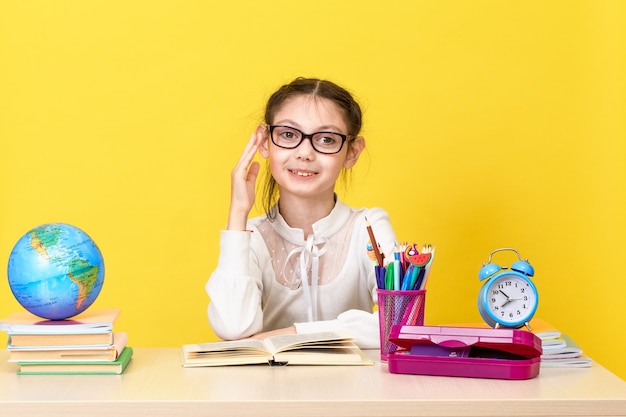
264,146
354,151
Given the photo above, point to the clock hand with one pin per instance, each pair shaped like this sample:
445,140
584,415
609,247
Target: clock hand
508,299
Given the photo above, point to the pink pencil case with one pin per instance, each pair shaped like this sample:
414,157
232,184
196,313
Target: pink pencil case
464,352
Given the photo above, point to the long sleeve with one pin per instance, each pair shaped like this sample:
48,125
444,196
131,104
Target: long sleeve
235,289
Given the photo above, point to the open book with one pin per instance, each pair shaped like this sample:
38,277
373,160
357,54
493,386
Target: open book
293,349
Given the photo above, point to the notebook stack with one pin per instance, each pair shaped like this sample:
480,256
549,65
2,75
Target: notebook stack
84,344
560,351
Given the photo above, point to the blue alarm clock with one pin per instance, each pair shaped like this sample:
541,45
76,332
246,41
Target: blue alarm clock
508,296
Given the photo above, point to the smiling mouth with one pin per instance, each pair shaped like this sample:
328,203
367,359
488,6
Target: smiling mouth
302,173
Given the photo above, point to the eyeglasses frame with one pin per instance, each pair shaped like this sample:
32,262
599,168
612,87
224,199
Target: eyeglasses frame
310,138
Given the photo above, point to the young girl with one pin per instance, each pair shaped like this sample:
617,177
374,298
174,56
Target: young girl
303,267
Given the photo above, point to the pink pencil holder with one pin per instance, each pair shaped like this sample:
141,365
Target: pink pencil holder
398,307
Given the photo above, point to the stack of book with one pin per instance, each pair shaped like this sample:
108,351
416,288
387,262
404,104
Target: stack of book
559,350
84,344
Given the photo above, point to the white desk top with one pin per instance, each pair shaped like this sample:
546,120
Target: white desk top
155,384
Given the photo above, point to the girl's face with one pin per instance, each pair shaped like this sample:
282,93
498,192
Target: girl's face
303,171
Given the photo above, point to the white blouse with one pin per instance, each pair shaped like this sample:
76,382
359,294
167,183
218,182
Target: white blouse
258,284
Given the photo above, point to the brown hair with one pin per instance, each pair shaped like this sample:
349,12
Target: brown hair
313,87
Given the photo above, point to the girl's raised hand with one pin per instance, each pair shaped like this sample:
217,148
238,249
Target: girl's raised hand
243,181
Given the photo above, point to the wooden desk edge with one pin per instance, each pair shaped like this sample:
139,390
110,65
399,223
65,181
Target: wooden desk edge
427,408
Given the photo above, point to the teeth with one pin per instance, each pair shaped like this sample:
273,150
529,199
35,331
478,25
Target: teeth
302,174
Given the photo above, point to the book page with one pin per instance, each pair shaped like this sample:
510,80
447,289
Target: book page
323,356
235,352
569,349
251,345
581,361
307,340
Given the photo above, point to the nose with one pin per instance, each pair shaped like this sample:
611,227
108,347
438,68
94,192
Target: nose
305,149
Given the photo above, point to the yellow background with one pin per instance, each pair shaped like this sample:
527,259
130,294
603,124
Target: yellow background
488,124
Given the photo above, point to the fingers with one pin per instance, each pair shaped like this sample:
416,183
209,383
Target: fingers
243,180
249,151
240,171
253,172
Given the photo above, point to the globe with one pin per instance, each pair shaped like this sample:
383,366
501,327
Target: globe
56,271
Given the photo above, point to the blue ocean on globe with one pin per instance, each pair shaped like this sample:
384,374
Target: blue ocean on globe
56,271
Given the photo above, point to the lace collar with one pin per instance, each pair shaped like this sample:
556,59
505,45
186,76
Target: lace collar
310,251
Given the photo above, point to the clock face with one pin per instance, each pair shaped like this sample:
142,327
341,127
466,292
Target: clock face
510,300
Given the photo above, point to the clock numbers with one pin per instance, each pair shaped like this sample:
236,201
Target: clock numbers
509,298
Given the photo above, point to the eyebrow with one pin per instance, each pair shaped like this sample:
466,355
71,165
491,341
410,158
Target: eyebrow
323,128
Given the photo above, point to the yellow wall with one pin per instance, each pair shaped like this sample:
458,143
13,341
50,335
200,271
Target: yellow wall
489,124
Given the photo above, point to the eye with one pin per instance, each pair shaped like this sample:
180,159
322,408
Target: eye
287,133
328,140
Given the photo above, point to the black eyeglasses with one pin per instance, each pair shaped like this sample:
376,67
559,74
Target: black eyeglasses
288,137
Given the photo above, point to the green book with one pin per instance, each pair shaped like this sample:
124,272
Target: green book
77,368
